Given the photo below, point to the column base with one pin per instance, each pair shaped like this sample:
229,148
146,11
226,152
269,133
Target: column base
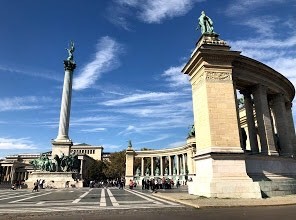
222,175
60,147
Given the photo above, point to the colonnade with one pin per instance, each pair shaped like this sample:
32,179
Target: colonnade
172,163
165,165
7,173
273,131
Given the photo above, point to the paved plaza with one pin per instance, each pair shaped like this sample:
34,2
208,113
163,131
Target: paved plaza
114,203
55,200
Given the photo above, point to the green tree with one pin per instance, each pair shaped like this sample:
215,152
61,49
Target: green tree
115,168
96,171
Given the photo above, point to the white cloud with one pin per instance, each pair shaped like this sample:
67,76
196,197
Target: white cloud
20,143
160,138
110,147
106,59
175,78
93,130
155,11
39,74
18,103
144,97
161,110
263,25
177,144
239,7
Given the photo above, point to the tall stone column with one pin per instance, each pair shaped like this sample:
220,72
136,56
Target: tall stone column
62,144
263,116
283,139
250,121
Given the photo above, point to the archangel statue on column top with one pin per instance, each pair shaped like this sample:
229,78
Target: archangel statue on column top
70,52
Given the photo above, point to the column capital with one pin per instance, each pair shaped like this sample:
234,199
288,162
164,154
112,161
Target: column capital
277,98
68,65
259,87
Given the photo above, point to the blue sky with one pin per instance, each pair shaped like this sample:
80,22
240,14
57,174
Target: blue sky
129,53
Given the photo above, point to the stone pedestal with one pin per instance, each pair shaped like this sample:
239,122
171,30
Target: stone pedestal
60,147
53,180
223,176
129,167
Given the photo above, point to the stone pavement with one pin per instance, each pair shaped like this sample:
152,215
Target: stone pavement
202,202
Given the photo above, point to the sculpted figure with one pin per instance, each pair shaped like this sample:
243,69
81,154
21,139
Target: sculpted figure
166,171
191,133
157,171
138,172
205,23
70,52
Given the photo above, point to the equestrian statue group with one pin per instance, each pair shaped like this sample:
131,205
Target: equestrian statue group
57,164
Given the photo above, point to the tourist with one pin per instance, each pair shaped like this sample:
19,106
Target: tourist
13,187
35,188
131,184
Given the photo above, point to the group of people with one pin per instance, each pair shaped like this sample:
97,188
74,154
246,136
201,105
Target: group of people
159,183
38,185
17,185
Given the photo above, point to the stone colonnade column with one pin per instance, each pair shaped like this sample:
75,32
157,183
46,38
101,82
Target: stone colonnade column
170,165
250,121
291,125
142,166
161,165
6,173
263,116
177,164
152,166
283,138
184,164
81,169
189,162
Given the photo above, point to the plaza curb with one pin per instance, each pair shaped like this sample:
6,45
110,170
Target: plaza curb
159,195
227,202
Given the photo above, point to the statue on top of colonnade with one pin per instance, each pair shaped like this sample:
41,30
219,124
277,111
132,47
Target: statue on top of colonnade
205,24
191,133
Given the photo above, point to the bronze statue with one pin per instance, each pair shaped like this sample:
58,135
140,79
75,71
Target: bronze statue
191,133
206,24
70,52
